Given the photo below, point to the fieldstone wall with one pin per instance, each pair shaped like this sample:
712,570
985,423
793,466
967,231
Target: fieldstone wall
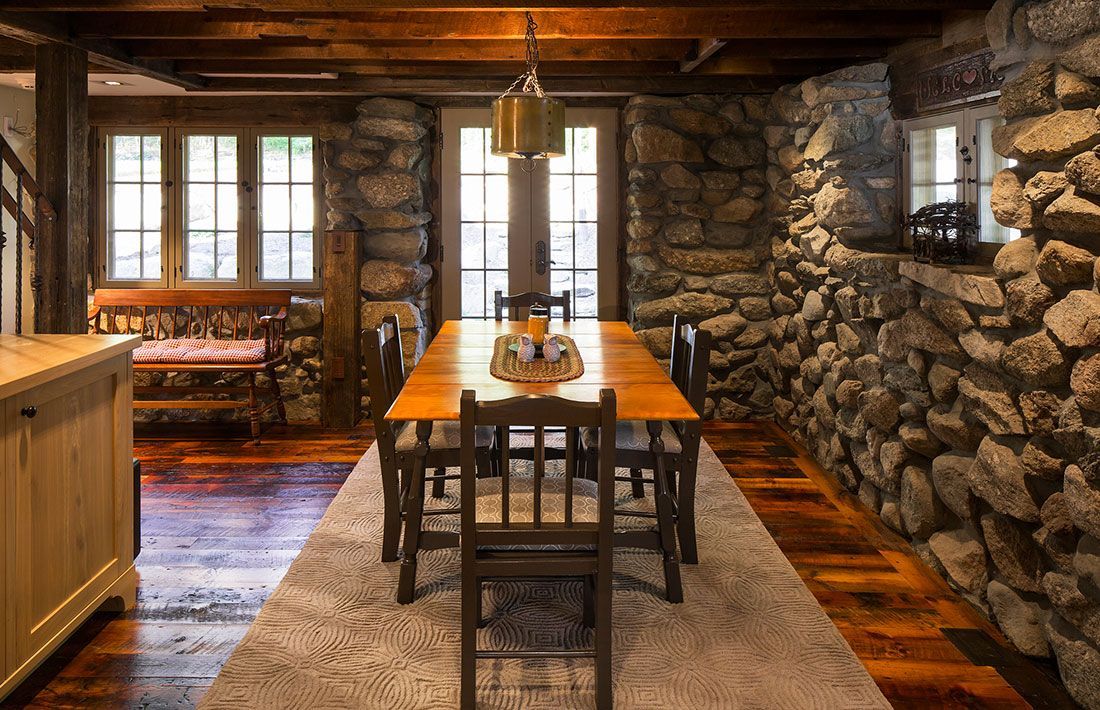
378,179
697,236
962,404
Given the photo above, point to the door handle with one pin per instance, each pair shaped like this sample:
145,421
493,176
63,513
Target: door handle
540,257
29,412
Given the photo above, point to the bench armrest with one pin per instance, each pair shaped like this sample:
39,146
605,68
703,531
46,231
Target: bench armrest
274,326
93,317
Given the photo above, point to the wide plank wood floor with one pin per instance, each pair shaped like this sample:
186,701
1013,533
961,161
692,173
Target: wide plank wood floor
223,519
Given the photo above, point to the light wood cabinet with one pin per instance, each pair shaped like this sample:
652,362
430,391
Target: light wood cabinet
66,490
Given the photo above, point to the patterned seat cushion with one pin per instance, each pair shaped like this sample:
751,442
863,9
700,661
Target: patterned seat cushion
521,500
632,436
445,435
200,351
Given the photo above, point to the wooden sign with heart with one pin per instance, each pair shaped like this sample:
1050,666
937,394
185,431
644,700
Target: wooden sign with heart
958,81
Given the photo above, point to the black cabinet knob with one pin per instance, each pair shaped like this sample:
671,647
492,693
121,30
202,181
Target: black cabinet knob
29,412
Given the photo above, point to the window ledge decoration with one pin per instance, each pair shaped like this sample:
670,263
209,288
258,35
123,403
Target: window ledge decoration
944,233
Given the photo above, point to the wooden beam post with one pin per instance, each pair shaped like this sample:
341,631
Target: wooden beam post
340,341
63,168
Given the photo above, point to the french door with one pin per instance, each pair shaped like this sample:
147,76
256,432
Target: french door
550,230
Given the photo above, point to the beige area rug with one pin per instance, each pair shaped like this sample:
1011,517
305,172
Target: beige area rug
748,635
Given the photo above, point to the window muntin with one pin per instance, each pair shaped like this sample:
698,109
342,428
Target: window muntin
933,165
134,206
286,223
574,221
483,219
211,208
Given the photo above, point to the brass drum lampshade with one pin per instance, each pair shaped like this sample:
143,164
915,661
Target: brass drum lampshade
527,126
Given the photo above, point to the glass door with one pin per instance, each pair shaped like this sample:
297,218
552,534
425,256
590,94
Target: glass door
550,230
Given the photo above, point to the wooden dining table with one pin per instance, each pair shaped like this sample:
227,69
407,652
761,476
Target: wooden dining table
458,359
613,356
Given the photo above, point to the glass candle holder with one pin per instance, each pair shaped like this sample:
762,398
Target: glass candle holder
537,322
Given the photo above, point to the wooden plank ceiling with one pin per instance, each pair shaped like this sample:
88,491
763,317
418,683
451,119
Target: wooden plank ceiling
472,47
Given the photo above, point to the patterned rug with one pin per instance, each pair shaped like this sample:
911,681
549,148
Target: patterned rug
748,635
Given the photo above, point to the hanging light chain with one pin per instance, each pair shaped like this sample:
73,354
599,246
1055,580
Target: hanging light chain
530,78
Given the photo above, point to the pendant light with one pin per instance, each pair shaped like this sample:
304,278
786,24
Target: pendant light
528,125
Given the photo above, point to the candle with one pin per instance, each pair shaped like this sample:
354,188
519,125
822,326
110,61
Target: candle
537,321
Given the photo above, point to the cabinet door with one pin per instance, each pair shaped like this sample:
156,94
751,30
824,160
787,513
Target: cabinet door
67,523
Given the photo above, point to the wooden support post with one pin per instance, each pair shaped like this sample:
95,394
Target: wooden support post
63,162
341,341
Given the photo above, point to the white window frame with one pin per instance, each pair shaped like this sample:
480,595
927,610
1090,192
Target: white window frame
172,224
965,120
254,210
179,224
102,276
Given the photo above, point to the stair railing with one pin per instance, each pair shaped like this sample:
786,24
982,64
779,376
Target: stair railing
29,209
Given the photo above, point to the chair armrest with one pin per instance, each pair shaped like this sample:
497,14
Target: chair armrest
274,325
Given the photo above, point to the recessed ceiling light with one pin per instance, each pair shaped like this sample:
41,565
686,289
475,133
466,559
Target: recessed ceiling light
112,82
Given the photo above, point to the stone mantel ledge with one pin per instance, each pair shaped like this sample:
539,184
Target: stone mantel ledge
972,284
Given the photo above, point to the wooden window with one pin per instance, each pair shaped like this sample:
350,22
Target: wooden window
193,207
286,227
133,209
950,156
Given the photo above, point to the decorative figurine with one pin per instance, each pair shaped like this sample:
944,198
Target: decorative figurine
526,352
551,348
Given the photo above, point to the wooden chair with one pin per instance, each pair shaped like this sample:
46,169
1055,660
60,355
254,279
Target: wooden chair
538,525
403,459
525,300
671,451
513,303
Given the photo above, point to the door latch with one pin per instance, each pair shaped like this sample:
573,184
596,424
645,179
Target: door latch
540,257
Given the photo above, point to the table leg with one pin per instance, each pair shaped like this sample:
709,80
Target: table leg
414,514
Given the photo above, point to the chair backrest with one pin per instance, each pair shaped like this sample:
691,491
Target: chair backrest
385,375
525,300
690,361
539,412
168,313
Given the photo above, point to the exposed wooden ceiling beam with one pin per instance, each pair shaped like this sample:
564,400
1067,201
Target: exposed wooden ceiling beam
562,86
252,67
475,5
645,50
686,23
41,29
738,66
703,50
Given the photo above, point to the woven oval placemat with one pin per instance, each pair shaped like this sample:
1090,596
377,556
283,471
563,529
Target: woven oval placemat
506,364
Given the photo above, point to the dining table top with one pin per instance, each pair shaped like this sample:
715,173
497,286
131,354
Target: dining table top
458,359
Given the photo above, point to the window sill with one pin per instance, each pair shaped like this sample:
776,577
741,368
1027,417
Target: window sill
972,283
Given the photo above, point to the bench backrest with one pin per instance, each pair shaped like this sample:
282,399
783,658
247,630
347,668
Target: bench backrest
167,313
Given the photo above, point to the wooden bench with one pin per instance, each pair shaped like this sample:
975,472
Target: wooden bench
201,331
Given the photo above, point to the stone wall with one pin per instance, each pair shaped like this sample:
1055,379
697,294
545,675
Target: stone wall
963,405
378,179
697,236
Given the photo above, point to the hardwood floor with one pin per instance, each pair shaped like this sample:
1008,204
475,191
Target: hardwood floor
222,520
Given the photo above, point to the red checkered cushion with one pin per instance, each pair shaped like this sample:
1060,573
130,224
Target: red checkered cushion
194,351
